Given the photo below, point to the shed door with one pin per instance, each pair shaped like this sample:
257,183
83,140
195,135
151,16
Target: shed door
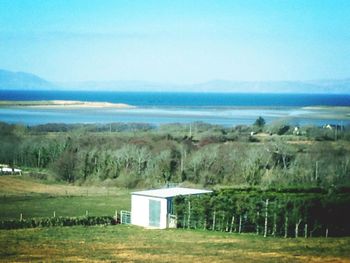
154,213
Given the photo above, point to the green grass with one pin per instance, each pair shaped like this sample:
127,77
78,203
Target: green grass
44,206
123,243
33,198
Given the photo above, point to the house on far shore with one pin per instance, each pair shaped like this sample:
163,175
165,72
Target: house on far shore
154,208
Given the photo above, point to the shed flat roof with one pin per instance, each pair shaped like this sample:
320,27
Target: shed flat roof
171,192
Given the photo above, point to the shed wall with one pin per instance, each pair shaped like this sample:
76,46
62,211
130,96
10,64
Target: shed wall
140,211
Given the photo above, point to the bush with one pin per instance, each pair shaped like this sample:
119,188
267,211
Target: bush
57,221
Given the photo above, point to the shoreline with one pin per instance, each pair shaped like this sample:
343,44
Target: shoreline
72,111
103,104
64,104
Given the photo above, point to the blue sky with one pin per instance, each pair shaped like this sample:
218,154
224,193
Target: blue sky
176,41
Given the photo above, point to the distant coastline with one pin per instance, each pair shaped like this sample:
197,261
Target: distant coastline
34,107
65,104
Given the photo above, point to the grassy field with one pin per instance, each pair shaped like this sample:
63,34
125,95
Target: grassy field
44,206
36,199
24,186
123,243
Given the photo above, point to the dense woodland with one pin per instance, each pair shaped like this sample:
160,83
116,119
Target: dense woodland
142,155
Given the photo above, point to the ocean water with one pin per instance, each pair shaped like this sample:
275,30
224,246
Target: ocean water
162,108
166,99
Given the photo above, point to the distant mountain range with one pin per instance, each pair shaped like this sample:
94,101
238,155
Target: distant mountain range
22,81
26,81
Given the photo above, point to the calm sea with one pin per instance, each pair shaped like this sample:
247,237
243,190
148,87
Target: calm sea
157,99
157,108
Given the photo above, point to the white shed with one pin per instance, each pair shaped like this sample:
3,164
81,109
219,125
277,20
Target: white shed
152,208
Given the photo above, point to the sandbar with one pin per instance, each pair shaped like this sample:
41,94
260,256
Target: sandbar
65,104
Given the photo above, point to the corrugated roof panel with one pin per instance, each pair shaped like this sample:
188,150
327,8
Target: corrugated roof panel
171,192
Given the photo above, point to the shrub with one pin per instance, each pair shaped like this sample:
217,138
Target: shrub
57,221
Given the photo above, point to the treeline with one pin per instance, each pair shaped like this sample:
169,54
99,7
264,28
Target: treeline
286,213
141,155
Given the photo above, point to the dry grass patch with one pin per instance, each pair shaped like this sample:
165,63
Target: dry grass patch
132,244
14,185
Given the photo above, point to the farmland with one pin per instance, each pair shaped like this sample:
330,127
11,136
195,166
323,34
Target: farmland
69,170
124,243
36,199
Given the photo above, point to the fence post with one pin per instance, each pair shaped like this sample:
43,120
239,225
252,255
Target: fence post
214,215
305,231
286,227
266,214
274,224
240,224
326,232
54,213
116,217
232,222
189,215
86,213
297,228
223,222
21,217
257,222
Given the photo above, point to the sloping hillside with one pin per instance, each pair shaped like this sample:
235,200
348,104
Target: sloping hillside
21,80
10,185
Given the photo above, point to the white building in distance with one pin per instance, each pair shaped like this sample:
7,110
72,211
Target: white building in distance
7,171
153,208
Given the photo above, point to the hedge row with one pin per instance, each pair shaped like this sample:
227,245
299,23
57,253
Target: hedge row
57,221
284,213
306,190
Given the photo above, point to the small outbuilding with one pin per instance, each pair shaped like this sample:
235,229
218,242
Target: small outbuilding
10,171
154,208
